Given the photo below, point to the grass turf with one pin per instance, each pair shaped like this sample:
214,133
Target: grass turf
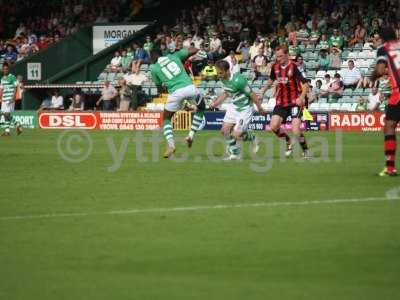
317,251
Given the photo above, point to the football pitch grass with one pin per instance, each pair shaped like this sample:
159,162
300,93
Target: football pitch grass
195,228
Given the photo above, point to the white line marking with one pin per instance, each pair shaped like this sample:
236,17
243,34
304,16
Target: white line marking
194,208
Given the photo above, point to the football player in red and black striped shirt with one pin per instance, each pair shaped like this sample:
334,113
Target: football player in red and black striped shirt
388,62
290,93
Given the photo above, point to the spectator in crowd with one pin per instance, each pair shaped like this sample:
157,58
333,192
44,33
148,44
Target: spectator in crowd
210,71
259,59
316,90
135,82
215,46
108,95
125,61
323,43
336,40
244,49
263,72
148,45
301,65
372,102
324,60
19,92
351,76
11,55
233,63
55,102
140,56
358,36
125,95
77,101
115,64
325,86
335,59
336,87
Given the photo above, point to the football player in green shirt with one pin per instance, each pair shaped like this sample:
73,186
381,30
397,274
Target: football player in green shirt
169,71
8,85
239,114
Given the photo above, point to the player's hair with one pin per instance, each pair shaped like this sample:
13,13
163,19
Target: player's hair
284,48
387,34
223,65
156,52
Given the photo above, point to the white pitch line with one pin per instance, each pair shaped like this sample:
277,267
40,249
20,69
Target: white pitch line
194,208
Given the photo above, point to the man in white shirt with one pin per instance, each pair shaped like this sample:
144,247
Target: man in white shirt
324,90
115,62
215,45
351,76
233,65
373,101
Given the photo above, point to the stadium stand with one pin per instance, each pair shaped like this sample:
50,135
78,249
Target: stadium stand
323,36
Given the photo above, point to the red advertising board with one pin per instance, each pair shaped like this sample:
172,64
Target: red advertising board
61,120
130,120
101,120
357,121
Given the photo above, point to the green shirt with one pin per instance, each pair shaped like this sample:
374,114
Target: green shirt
8,84
336,41
170,71
148,46
239,90
126,61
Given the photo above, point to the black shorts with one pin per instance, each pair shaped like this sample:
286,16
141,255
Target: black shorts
284,112
393,112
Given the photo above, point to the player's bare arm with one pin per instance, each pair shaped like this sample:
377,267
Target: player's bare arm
217,102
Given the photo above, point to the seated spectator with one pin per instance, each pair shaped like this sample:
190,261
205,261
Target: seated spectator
125,62
351,76
215,46
325,86
314,35
148,45
324,60
259,59
323,43
43,43
140,56
55,102
301,65
233,64
336,87
77,101
372,102
108,94
336,40
115,64
316,90
263,72
358,36
11,55
244,49
302,34
210,71
335,58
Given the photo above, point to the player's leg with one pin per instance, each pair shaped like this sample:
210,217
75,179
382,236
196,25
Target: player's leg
197,117
279,115
296,113
231,142
173,104
390,144
241,130
6,112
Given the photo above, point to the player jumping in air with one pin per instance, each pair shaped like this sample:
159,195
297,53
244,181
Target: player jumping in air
8,85
239,113
388,61
290,99
169,70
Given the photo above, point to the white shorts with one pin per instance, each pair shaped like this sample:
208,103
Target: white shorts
7,107
175,100
241,119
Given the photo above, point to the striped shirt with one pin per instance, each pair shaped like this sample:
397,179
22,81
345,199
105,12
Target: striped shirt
8,85
239,90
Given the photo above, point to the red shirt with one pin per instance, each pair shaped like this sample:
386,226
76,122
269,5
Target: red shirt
288,83
390,52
